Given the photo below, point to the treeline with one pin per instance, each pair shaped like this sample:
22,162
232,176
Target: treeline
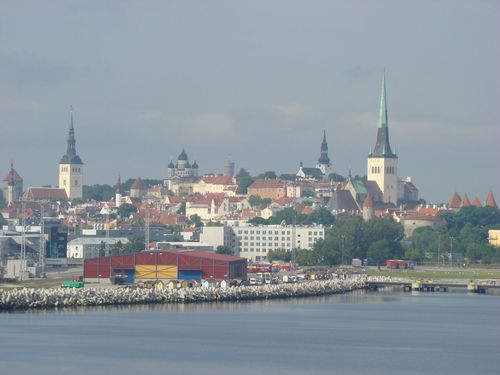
106,192
351,237
245,179
463,239
289,216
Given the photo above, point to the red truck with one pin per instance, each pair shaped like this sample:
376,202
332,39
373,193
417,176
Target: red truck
396,264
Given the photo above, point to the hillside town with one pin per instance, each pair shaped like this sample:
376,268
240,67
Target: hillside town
258,218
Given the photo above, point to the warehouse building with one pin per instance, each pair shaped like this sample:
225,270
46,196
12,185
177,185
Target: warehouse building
171,264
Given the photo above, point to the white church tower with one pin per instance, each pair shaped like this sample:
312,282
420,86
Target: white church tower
382,162
71,168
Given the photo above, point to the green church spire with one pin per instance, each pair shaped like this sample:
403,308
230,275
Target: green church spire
383,147
382,121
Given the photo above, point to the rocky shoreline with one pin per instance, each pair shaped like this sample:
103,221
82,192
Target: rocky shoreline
28,298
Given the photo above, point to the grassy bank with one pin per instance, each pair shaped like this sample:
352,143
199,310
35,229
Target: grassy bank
440,273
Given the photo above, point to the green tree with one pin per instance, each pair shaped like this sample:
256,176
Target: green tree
269,175
320,216
288,215
102,249
135,244
328,251
386,228
182,209
224,250
117,248
244,181
258,220
279,254
349,234
481,253
288,177
379,251
415,254
125,210
2,221
195,220
98,192
255,200
307,258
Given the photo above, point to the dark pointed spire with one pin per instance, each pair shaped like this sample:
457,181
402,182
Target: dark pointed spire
71,157
324,159
383,147
11,182
119,184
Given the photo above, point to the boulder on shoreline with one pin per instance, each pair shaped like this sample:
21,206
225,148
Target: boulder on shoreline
29,298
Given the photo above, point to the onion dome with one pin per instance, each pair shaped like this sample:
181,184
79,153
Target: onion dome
183,155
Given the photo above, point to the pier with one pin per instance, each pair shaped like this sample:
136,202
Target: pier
473,286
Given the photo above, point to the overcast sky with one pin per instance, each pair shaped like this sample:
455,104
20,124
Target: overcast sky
254,81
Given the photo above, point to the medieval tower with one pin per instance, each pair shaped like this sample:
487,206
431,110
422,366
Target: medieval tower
382,162
324,160
71,168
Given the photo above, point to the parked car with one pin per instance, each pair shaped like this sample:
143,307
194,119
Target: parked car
369,262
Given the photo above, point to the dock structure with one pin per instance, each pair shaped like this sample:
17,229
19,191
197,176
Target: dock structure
473,286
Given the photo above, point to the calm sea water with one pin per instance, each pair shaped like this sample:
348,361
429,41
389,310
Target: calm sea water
356,333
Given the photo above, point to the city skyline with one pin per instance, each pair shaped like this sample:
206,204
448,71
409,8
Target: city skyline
274,89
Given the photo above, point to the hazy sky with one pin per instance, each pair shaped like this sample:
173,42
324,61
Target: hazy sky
256,81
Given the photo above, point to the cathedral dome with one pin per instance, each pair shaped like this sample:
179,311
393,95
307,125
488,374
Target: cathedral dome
182,156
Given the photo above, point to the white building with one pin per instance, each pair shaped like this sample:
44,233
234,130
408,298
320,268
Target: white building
88,247
255,241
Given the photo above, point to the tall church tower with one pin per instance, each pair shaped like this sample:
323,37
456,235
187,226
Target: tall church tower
71,168
324,160
382,162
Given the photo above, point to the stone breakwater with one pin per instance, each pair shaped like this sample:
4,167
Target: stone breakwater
24,299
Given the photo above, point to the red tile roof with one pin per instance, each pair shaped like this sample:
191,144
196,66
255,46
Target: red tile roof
465,201
368,202
429,211
476,202
34,193
490,200
13,175
455,201
138,184
421,217
267,184
283,201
